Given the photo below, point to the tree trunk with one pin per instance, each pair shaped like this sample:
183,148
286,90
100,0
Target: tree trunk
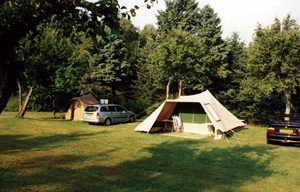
180,88
114,93
24,107
168,89
288,106
20,96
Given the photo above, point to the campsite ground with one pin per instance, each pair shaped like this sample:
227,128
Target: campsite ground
43,154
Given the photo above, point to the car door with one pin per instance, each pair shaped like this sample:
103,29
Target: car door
112,113
121,114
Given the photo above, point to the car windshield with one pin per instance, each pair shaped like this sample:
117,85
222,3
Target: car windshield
91,109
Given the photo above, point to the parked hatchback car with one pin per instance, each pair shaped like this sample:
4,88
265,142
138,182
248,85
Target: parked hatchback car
281,131
107,114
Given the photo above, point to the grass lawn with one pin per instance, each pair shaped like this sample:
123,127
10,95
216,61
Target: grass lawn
43,154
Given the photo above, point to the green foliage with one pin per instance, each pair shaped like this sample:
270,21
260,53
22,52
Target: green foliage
43,54
187,46
273,66
18,18
75,52
73,47
13,104
233,73
131,39
181,56
53,64
148,84
148,109
42,98
257,101
138,106
108,66
68,79
182,14
274,55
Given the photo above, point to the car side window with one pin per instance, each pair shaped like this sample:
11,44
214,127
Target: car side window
111,108
119,108
104,109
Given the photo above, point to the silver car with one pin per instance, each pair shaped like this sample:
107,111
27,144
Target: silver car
107,114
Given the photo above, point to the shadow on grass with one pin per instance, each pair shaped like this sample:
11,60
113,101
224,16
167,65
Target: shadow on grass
18,143
51,119
171,166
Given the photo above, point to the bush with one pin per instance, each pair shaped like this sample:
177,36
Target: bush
137,106
13,104
143,107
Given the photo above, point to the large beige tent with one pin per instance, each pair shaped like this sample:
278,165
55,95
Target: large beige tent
78,105
218,116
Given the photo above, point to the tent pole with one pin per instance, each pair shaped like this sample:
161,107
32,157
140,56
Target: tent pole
193,117
235,136
227,140
180,89
216,134
168,90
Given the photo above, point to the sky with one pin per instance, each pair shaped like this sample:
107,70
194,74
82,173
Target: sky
241,16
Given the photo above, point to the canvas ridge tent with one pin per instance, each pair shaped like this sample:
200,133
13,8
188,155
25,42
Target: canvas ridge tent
220,118
78,105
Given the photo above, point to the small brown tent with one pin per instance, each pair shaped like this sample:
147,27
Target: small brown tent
78,105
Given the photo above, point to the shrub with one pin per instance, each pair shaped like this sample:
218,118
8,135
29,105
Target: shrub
13,104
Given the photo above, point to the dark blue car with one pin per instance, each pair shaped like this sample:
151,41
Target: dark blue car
282,131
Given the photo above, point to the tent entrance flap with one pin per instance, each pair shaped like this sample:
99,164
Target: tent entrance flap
167,111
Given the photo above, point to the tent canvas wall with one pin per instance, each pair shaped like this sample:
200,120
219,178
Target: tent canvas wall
218,116
78,105
194,117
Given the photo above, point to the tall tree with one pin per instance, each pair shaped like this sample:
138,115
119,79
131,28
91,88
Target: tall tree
180,57
130,36
189,50
146,83
209,31
233,72
273,63
108,66
18,17
131,39
179,13
149,32
47,58
68,77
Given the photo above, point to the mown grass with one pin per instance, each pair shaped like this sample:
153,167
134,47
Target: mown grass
43,154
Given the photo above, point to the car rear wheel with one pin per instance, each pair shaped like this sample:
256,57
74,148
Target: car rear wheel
132,119
107,122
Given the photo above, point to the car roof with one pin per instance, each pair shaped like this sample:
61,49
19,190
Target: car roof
100,105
